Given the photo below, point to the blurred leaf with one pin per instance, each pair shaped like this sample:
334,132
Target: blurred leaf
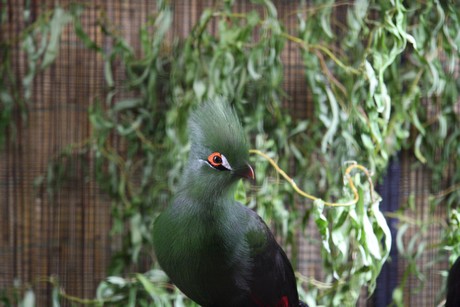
153,291
29,299
322,224
59,20
116,280
367,141
108,74
199,88
417,151
332,126
127,104
55,297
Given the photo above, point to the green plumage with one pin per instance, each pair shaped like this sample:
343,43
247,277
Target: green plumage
212,247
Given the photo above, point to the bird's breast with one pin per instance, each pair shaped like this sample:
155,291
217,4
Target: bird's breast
203,252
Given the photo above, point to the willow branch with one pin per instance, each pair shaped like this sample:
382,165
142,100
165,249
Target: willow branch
314,198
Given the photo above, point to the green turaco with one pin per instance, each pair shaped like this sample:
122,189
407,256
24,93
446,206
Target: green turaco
215,250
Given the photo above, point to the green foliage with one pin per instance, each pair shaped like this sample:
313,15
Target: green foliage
40,43
380,82
149,289
452,236
8,95
356,242
391,86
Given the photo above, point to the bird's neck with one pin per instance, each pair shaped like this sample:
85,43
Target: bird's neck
207,192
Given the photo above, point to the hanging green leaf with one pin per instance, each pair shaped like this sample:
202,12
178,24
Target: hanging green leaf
59,20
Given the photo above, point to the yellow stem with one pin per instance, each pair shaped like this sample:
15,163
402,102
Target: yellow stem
322,48
306,195
447,191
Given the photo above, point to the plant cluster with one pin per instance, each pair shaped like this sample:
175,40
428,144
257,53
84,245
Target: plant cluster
383,79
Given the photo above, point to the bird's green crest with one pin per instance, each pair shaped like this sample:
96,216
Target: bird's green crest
214,127
219,150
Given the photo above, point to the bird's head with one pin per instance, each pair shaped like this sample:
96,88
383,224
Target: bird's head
219,149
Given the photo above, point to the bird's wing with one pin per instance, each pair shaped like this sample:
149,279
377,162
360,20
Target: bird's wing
272,280
453,285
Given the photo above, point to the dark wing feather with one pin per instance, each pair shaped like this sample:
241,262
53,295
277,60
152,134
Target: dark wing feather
453,285
273,280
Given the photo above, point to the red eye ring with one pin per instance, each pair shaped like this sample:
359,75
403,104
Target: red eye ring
215,159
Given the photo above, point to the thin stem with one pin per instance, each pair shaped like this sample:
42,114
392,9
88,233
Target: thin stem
314,198
447,191
322,48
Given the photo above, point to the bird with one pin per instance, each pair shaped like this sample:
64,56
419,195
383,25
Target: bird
217,251
453,285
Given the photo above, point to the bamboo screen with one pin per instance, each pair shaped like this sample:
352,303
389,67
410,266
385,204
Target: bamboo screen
70,237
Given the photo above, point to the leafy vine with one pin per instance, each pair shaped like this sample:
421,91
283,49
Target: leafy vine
389,84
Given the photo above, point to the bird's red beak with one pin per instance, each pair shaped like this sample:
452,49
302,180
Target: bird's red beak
247,173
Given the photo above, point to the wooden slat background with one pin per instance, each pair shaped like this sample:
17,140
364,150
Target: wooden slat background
70,237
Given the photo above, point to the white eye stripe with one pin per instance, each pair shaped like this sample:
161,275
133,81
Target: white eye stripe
225,163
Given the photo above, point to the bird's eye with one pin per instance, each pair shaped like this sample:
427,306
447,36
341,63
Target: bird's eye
215,159
219,162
